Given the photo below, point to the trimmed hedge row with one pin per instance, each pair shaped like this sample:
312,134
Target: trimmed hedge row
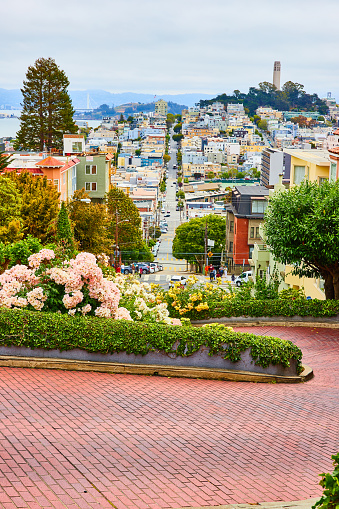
253,307
56,331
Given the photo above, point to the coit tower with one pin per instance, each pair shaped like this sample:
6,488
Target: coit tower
276,74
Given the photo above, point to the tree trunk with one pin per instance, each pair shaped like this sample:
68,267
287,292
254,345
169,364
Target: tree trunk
329,287
336,285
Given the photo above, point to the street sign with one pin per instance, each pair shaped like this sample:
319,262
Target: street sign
209,254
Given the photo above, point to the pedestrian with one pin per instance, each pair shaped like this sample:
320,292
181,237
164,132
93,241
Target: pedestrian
118,269
211,275
214,272
140,272
133,269
225,271
122,268
233,278
206,270
221,271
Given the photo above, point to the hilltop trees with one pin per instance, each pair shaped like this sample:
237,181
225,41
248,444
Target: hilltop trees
291,96
302,229
47,108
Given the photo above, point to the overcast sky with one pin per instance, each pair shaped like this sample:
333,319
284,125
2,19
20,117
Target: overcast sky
176,46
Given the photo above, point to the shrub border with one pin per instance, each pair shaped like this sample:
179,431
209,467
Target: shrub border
53,330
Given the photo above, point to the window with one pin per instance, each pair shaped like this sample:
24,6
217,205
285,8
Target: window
64,179
76,146
258,206
322,180
56,182
231,247
90,186
91,169
252,232
299,174
250,252
231,226
333,172
257,234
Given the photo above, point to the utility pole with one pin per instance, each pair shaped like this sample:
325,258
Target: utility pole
205,242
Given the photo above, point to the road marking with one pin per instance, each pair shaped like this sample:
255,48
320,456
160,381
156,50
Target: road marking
146,278
157,277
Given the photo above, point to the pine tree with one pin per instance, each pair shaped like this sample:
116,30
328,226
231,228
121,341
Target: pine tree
64,233
10,204
47,108
4,160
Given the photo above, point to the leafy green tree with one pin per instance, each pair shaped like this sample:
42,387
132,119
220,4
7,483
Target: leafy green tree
10,207
138,152
302,229
167,158
263,124
64,233
39,205
189,240
90,222
170,120
47,108
162,186
177,137
130,119
121,119
210,175
124,222
180,194
177,128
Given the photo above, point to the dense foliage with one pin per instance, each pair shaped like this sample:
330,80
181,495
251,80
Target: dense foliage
302,229
10,207
47,110
292,96
189,240
18,252
330,483
56,331
90,221
39,205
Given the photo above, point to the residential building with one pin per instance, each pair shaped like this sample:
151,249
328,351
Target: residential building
74,144
161,108
312,165
272,162
245,213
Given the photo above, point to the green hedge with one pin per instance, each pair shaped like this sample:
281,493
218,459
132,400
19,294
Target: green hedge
57,331
253,307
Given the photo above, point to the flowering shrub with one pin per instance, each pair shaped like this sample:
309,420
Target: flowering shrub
193,300
142,302
74,286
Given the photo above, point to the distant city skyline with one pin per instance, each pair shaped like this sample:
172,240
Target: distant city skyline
178,47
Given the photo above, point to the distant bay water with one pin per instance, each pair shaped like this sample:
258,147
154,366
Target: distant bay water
10,126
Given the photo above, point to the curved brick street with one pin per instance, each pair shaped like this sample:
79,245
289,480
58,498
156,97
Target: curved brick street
94,440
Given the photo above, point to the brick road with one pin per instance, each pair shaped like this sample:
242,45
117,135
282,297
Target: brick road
94,440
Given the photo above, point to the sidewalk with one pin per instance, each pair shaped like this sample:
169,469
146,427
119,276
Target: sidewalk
300,504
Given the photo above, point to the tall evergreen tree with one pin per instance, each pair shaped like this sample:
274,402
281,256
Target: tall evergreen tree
64,233
4,160
47,108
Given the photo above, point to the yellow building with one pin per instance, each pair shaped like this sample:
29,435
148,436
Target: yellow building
161,108
312,165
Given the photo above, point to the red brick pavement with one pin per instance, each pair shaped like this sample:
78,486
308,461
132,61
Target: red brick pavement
95,440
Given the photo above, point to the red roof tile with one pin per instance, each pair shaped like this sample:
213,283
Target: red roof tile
50,162
334,150
336,132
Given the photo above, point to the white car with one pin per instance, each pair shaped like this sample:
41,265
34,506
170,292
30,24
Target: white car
243,278
178,279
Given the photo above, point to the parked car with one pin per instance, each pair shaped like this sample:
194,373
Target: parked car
163,211
154,266
243,278
178,279
146,269
167,215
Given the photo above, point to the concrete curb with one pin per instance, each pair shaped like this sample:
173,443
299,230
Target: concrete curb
300,504
259,322
151,370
